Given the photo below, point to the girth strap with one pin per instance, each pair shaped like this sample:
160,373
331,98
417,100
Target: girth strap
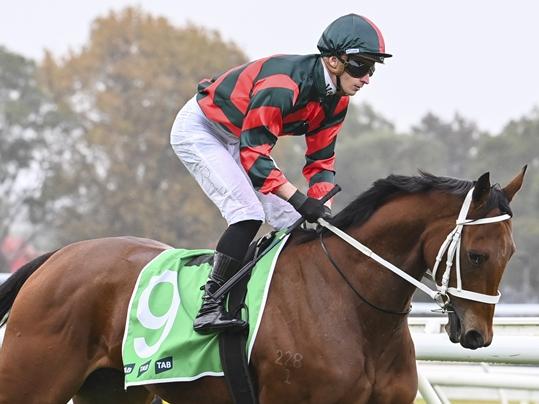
234,356
232,345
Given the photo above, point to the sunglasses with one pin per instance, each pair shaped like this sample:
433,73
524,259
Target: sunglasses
358,68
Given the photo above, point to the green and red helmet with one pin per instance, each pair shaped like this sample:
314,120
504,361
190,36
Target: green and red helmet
353,35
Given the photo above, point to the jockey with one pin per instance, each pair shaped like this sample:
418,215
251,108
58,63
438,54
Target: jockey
224,136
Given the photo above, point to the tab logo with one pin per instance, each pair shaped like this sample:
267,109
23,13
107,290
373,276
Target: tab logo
164,364
128,368
143,368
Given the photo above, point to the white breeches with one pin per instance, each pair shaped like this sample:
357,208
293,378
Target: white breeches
212,156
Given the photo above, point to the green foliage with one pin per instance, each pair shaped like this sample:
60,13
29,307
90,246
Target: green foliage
126,86
30,123
369,148
518,145
458,140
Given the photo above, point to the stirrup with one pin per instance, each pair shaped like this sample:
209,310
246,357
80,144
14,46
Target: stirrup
220,324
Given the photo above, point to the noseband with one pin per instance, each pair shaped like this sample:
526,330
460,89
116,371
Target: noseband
451,245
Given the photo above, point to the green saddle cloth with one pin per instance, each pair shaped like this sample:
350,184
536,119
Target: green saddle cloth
159,343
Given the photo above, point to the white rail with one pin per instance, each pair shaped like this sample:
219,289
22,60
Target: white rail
512,325
441,363
505,349
502,310
490,380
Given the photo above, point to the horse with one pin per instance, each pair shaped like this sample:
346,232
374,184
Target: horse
321,340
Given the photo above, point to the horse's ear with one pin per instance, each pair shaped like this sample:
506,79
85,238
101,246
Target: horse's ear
514,186
481,190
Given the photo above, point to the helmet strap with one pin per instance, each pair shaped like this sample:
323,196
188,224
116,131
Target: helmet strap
338,71
336,68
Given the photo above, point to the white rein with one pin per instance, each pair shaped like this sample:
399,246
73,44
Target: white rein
451,245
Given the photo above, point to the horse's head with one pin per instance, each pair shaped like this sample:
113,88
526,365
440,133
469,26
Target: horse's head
485,250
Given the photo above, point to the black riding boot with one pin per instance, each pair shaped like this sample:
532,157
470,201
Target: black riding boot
212,316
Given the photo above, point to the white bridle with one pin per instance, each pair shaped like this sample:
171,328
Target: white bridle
451,245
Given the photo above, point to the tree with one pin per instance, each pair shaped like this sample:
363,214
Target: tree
30,122
363,119
353,151
459,139
370,148
126,86
516,146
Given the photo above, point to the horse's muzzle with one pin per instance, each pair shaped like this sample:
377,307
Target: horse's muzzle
472,339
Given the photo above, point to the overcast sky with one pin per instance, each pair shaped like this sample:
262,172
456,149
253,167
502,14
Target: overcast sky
476,57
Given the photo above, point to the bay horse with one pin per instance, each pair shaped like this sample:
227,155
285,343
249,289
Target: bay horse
319,342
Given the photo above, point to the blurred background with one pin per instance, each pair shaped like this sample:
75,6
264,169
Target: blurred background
89,91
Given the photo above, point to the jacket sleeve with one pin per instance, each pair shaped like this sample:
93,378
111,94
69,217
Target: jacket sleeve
272,98
319,169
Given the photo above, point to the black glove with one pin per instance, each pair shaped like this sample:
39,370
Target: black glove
310,208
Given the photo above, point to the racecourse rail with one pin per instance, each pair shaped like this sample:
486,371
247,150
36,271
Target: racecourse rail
509,367
507,370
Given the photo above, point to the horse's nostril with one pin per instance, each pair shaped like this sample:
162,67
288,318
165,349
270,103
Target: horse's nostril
473,339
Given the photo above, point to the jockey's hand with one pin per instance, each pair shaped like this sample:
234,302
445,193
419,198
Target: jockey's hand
310,208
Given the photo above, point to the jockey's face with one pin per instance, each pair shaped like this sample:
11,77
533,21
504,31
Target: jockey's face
351,85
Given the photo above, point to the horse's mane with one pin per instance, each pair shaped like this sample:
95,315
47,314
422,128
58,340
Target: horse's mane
382,190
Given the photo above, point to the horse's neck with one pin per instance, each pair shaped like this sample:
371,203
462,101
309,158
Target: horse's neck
395,233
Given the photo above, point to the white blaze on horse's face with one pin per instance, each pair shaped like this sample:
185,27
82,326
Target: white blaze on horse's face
485,250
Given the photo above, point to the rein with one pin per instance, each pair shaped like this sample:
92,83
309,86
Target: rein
340,271
451,245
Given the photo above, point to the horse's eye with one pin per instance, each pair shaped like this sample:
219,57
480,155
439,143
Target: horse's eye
476,258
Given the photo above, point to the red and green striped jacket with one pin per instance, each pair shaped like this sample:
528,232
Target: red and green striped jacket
272,97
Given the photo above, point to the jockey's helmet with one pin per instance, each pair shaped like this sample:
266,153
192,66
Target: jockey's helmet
353,35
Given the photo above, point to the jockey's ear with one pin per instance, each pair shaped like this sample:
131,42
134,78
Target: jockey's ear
481,190
514,186
334,65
